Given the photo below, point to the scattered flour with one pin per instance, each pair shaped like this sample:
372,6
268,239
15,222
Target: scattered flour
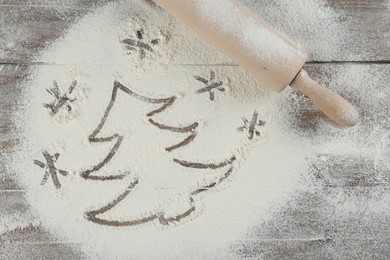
141,47
302,21
13,220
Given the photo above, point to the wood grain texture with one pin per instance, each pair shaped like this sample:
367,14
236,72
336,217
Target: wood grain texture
365,26
315,225
369,25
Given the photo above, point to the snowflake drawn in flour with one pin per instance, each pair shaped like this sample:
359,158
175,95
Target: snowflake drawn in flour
50,169
211,85
252,125
60,100
139,44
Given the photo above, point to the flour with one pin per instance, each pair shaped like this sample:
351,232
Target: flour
250,33
148,162
312,23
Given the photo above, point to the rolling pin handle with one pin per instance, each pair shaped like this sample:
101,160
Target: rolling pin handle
329,102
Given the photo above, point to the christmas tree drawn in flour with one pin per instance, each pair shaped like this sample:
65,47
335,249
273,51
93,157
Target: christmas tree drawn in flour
178,202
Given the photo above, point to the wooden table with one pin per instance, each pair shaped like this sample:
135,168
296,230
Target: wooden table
308,228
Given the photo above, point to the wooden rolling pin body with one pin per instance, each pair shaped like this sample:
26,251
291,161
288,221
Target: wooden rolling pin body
270,56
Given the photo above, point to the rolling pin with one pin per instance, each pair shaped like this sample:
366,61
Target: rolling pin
270,56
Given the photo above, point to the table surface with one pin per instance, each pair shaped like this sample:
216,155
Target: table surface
307,229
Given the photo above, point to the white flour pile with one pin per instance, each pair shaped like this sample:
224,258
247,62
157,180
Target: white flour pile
162,167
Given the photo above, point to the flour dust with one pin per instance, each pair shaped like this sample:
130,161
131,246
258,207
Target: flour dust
126,147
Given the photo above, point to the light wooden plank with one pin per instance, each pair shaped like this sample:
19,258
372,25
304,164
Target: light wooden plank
58,251
305,118
32,26
320,249
29,29
309,227
330,214
326,223
369,25
77,4
11,77
337,249
26,239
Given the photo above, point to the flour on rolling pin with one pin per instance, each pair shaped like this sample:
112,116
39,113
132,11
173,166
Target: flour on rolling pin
264,52
269,56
